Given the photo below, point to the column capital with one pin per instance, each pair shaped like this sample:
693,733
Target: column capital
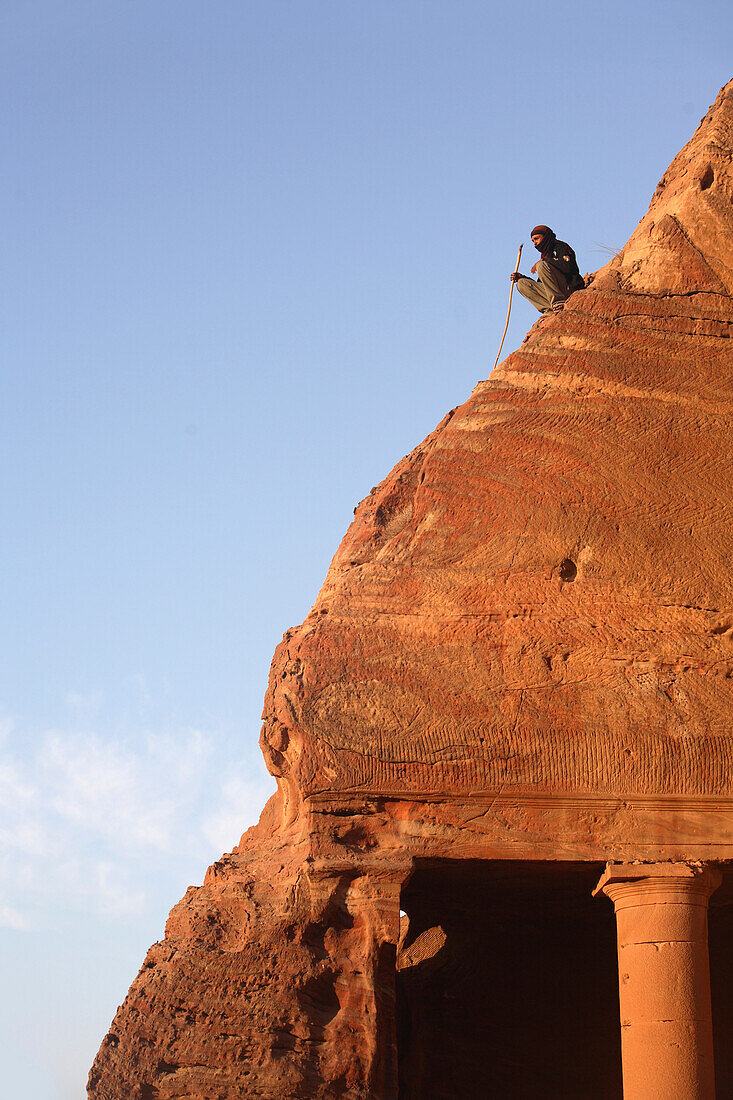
621,880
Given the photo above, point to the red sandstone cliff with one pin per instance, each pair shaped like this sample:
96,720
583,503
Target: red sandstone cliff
522,650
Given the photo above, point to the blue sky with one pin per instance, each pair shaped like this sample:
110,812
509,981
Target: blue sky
252,253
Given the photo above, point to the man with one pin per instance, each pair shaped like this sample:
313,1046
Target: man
557,272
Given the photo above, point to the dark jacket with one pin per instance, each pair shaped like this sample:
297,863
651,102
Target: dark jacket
561,256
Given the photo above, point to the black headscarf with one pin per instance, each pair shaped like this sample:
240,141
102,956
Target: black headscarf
548,239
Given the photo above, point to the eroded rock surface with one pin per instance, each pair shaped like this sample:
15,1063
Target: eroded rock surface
523,650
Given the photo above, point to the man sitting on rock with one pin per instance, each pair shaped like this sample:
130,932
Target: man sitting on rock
557,272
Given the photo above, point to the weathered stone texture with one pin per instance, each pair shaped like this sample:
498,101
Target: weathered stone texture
523,650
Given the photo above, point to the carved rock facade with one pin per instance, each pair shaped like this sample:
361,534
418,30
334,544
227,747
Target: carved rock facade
518,671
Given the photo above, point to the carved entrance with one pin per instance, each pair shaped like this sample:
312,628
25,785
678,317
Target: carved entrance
507,983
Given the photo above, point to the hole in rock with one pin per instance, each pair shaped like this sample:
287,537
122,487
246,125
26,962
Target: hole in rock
507,983
707,178
568,570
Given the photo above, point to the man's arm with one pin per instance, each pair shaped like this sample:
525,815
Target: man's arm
564,259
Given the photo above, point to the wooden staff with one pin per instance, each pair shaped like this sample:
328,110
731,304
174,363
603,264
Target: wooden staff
508,312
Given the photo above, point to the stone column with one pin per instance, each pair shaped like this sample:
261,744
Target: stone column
664,978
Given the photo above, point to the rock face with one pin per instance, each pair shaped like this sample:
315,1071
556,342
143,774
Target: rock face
520,666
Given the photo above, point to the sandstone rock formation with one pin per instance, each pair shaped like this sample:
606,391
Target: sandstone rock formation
520,667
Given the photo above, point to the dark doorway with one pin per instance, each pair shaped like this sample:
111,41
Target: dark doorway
507,983
720,940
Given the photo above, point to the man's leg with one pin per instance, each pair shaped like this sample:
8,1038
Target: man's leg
534,293
553,282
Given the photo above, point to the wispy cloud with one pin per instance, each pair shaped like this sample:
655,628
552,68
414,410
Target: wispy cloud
6,727
117,791
224,825
114,893
85,702
11,918
88,820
